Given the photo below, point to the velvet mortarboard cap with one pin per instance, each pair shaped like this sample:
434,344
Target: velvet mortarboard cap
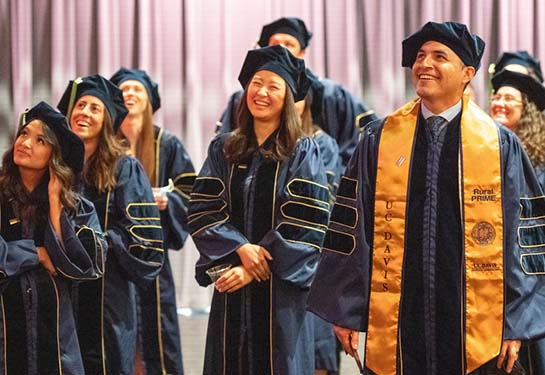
279,60
97,86
469,47
518,58
534,90
287,25
71,147
141,76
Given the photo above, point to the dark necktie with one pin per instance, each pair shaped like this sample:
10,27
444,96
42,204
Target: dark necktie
434,124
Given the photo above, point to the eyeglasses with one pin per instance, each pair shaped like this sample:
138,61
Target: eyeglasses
507,99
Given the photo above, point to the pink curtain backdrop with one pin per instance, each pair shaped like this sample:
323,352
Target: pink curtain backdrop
194,50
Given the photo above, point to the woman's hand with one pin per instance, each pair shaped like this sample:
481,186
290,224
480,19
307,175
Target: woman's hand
45,260
161,199
233,280
508,355
254,259
54,187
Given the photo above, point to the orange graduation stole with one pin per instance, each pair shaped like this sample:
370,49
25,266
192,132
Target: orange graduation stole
483,238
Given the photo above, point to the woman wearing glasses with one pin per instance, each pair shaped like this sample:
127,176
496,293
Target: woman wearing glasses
517,102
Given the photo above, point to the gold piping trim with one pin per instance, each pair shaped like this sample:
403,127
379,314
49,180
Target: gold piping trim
199,214
362,115
141,218
131,231
273,216
158,155
522,266
57,320
347,198
521,208
159,324
344,225
527,227
208,195
301,220
146,248
288,188
106,211
340,252
210,225
5,338
102,327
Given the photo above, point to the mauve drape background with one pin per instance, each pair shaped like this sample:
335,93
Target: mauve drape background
194,49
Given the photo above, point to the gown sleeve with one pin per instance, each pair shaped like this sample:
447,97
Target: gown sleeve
180,170
524,244
134,230
340,290
210,224
301,221
16,257
81,253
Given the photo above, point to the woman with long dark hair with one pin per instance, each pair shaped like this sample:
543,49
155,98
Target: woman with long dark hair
120,190
260,204
49,237
171,173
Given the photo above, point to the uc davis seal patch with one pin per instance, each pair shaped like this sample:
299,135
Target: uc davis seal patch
483,233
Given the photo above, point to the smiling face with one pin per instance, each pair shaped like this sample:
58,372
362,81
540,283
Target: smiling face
31,150
135,97
87,118
439,76
265,97
506,106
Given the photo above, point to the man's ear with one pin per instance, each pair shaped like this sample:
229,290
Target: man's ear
469,73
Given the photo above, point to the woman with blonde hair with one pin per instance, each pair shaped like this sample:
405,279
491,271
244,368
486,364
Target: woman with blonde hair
49,237
120,190
171,173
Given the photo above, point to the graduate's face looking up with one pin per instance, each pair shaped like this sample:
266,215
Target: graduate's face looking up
439,76
506,106
289,42
87,118
266,94
135,96
31,150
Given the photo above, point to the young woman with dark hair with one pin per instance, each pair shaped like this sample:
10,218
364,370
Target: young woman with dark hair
260,204
49,237
120,190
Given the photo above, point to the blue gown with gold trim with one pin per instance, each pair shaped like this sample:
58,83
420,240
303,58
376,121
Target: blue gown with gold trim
161,342
283,206
106,309
340,291
39,331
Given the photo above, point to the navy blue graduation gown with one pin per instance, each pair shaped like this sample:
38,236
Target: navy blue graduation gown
325,341
161,334
39,332
282,206
338,112
340,292
106,309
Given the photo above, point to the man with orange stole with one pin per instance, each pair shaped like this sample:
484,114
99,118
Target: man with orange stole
436,244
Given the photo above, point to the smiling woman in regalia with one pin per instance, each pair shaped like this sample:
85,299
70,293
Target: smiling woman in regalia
261,204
